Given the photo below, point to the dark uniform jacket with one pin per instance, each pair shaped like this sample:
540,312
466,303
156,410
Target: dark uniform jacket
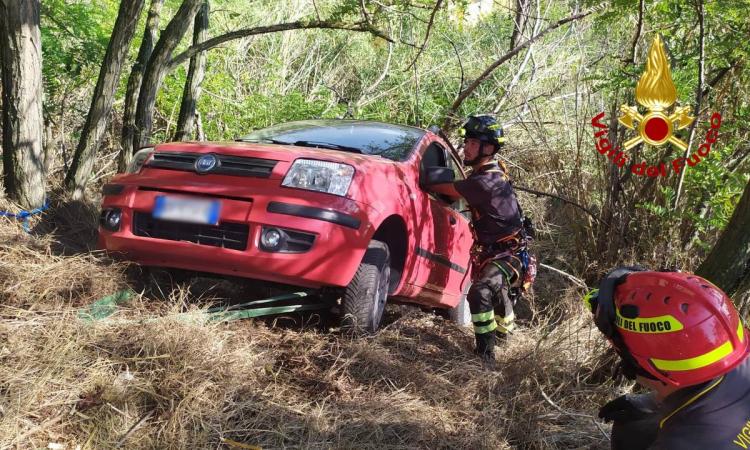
491,197
713,415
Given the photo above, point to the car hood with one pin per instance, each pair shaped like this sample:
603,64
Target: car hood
286,153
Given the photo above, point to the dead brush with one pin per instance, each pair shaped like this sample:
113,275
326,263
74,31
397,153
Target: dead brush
152,376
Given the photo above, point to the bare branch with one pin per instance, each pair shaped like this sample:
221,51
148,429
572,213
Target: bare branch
572,278
364,11
488,71
460,66
426,35
563,199
380,79
636,36
297,25
698,97
720,74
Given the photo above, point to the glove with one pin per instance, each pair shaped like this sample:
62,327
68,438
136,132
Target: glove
628,408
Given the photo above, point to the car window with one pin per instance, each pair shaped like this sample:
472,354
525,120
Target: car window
394,142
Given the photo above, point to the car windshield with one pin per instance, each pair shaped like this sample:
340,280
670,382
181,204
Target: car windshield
394,142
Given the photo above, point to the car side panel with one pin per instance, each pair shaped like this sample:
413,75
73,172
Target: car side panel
437,256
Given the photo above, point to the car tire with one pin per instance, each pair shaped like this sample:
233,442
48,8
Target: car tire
366,295
461,314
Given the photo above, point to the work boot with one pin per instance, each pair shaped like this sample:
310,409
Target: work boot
485,346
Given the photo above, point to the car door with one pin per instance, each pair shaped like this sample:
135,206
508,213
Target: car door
461,238
438,237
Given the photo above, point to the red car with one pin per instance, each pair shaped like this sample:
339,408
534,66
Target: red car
319,204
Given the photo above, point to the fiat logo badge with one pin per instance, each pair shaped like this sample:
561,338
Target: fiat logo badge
206,163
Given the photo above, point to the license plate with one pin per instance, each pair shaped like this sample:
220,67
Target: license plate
187,210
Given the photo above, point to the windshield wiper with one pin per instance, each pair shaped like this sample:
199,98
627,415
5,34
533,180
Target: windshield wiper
327,145
265,141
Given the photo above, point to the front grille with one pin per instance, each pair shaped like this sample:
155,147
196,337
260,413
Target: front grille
228,165
224,235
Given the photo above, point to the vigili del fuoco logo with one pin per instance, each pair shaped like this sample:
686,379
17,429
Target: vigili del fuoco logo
656,93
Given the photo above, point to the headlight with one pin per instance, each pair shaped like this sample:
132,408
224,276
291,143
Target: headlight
323,176
139,159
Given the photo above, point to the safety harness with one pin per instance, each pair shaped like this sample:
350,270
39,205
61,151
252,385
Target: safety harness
509,253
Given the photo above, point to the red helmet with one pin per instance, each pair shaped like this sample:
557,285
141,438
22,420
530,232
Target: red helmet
677,327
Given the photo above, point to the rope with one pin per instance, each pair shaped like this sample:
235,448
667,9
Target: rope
24,215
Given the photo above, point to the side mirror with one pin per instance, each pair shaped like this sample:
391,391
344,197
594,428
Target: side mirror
437,175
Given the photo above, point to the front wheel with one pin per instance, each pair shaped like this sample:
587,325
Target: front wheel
365,296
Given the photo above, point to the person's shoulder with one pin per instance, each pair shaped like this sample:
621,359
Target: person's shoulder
716,417
679,438
701,435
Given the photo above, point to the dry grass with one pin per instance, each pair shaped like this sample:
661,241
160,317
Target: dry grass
190,384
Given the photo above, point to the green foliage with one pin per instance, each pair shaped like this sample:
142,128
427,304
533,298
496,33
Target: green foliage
74,38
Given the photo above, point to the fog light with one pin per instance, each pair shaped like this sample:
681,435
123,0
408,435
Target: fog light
271,239
110,219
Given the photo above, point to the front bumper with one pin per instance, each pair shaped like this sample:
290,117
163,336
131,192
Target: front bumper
342,231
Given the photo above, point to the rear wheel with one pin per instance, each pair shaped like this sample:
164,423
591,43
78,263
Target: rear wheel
365,296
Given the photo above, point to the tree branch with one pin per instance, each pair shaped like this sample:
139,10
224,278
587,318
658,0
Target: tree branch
636,36
488,71
460,66
720,74
426,35
698,99
563,199
297,25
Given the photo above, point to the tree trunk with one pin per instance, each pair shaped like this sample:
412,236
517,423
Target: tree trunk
199,134
21,50
104,93
157,69
134,84
728,264
195,75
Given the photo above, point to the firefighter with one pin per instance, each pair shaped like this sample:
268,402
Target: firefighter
681,337
499,255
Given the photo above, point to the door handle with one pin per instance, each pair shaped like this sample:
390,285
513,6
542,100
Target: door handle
452,220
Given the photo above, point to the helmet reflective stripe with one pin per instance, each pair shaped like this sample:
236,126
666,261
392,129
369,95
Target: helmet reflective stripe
660,324
741,332
696,362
